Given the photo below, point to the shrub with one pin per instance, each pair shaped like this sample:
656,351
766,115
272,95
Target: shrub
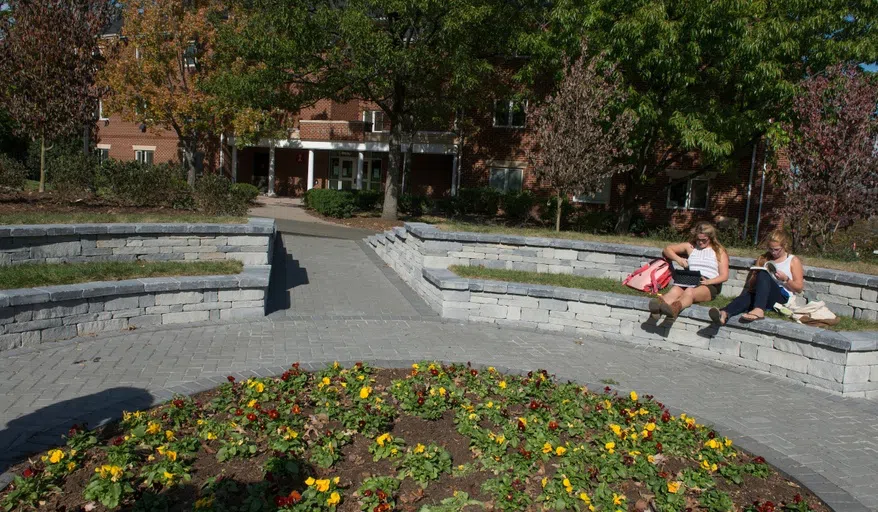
476,201
368,199
517,206
548,208
332,203
414,205
73,174
137,184
12,172
245,192
213,195
595,222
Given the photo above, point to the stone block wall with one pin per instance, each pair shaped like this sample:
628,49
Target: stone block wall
846,293
33,316
56,243
845,363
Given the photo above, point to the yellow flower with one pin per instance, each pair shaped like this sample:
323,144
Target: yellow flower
673,487
473,416
547,448
489,405
169,435
153,428
584,497
442,391
611,447
491,369
336,480
394,451
361,377
567,486
334,498
252,403
690,421
708,466
420,448
55,456
365,391
169,477
171,455
323,485
161,449
211,436
616,429
325,381
633,396
712,443
335,365
199,422
559,451
310,481
71,466
415,366
383,438
618,499
432,392
544,481
728,442
502,384
500,439
634,436
651,459
650,426
608,405
522,421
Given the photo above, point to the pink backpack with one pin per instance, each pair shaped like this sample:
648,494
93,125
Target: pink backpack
650,278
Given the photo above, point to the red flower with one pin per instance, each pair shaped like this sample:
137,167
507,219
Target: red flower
251,417
553,425
118,440
434,372
367,493
295,497
179,403
381,495
231,379
474,372
296,365
658,447
521,425
239,412
273,414
759,460
281,501
666,417
28,473
421,401
295,409
797,498
358,364
534,405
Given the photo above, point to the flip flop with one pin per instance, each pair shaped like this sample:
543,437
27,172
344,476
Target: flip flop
716,316
748,318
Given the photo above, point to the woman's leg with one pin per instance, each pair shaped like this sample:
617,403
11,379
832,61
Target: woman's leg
673,295
765,294
740,304
694,295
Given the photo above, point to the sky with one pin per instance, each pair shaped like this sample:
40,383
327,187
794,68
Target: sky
870,67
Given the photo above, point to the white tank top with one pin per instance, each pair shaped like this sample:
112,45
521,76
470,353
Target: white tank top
784,266
704,261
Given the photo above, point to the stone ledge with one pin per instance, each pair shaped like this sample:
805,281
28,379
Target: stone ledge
254,226
430,232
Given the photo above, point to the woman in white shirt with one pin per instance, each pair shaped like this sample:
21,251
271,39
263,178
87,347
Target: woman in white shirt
703,253
784,277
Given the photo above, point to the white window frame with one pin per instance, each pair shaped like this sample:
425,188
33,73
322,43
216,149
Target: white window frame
510,105
100,148
688,205
506,170
194,64
369,117
101,116
140,153
604,190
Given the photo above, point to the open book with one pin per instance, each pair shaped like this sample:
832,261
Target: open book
769,267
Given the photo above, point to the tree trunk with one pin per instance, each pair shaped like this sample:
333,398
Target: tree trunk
558,214
42,164
189,164
623,221
394,170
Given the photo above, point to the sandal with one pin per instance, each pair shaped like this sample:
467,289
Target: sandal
748,318
717,316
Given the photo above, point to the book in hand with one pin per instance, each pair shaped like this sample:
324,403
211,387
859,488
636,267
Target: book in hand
769,267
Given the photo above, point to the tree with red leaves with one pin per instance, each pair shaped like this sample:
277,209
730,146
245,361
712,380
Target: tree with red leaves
831,142
579,140
48,60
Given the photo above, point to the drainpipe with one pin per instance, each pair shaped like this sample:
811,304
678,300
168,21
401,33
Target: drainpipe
759,214
749,189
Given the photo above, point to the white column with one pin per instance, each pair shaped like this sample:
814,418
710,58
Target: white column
222,148
310,169
271,170
360,170
455,171
235,162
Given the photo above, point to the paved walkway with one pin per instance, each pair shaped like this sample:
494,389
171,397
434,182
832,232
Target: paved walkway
345,306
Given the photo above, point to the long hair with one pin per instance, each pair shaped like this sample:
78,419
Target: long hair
777,236
707,229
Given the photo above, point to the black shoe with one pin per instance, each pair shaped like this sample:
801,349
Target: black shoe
655,306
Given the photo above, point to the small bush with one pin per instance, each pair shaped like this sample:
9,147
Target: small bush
213,195
12,173
548,208
599,222
245,192
517,206
136,184
414,205
73,174
476,201
368,200
332,203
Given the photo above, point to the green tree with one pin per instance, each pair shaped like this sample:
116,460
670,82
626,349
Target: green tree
703,76
407,56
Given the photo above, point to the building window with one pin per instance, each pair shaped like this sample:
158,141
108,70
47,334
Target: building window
505,179
374,120
190,55
689,194
101,115
601,196
510,113
103,154
144,156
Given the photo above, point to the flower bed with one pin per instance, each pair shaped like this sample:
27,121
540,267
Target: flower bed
430,438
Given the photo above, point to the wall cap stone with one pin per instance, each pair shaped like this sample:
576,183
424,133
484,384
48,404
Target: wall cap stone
429,232
254,226
844,341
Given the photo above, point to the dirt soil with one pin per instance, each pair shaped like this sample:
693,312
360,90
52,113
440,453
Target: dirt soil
34,202
357,464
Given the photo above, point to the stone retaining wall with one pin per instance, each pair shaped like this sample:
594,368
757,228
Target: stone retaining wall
846,363
32,316
846,293
70,243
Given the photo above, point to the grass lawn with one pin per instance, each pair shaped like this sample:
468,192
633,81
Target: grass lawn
445,224
101,217
612,286
29,276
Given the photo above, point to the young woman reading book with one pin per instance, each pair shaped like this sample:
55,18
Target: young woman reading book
776,277
704,254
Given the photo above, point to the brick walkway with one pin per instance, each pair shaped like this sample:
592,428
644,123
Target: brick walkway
360,312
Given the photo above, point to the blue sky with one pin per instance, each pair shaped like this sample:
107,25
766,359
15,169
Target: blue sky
870,67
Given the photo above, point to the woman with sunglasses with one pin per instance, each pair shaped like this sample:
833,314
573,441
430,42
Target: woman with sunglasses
784,276
703,253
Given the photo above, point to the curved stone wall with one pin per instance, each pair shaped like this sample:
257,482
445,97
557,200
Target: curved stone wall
845,363
72,243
